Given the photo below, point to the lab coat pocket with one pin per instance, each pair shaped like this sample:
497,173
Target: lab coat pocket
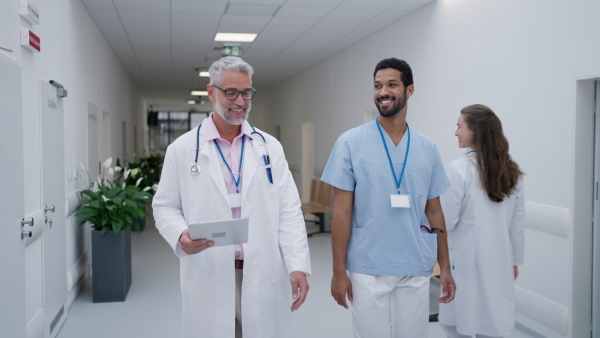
428,250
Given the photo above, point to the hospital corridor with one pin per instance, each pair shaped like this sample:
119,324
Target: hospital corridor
175,168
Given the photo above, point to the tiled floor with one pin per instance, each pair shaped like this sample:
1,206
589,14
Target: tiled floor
153,305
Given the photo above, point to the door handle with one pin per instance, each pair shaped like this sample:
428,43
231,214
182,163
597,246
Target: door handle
26,234
27,221
51,208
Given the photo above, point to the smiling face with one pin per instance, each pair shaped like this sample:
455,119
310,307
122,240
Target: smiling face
236,111
389,94
464,134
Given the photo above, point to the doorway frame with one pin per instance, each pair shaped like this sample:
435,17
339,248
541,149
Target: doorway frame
583,182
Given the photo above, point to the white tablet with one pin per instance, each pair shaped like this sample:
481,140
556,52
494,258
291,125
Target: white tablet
224,232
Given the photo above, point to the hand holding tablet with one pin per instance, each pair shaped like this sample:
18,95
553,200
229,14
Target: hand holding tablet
222,232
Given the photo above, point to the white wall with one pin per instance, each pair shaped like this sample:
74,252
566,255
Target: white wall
521,58
75,54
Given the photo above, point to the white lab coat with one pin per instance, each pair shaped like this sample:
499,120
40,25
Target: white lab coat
485,241
208,278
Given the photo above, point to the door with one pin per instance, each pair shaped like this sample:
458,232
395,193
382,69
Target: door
307,166
106,136
596,223
12,247
54,202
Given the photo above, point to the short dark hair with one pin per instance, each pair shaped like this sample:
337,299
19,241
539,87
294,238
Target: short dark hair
399,65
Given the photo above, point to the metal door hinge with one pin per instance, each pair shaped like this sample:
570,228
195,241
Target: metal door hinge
26,233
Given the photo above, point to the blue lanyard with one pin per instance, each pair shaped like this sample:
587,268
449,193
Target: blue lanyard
390,158
237,182
472,151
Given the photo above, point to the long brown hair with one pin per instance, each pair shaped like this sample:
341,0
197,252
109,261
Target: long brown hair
498,172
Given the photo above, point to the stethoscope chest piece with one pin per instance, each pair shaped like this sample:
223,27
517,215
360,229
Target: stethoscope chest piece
195,169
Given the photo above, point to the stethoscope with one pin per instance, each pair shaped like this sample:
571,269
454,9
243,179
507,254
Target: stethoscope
266,159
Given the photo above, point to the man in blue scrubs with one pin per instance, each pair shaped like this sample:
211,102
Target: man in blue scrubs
388,226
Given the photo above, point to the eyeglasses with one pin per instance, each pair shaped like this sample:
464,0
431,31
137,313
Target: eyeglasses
232,94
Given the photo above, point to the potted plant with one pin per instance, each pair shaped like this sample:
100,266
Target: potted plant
147,169
110,206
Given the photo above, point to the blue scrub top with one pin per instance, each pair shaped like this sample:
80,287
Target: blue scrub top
385,240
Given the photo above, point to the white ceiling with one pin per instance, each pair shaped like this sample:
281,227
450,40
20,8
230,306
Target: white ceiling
161,42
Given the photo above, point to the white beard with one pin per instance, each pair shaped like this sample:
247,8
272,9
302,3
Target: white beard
224,113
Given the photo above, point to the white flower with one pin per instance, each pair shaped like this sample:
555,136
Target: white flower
123,185
107,163
138,181
127,172
118,169
106,199
110,174
146,188
155,187
135,171
82,167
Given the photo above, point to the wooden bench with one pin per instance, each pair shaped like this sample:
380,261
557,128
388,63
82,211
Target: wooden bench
321,201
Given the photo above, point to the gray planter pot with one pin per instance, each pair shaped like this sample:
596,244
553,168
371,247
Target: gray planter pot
111,266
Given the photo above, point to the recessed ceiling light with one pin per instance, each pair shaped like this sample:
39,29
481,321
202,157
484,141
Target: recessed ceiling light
235,37
199,93
204,74
191,102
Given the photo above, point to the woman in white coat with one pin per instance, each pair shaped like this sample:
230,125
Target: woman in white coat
484,211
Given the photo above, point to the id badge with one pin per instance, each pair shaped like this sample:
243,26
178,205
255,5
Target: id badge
235,200
400,201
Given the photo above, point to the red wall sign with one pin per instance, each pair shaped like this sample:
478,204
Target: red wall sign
30,41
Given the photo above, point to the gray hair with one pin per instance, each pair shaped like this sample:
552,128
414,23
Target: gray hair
228,63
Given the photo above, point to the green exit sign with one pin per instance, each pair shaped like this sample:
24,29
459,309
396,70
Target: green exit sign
232,50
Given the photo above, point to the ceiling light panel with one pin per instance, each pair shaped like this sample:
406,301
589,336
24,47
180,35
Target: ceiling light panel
251,10
248,33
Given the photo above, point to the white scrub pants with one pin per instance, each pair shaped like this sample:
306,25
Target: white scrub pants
239,274
389,306
452,333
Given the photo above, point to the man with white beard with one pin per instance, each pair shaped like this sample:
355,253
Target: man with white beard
227,169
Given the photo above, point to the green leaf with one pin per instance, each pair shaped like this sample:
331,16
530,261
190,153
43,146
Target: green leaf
86,212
